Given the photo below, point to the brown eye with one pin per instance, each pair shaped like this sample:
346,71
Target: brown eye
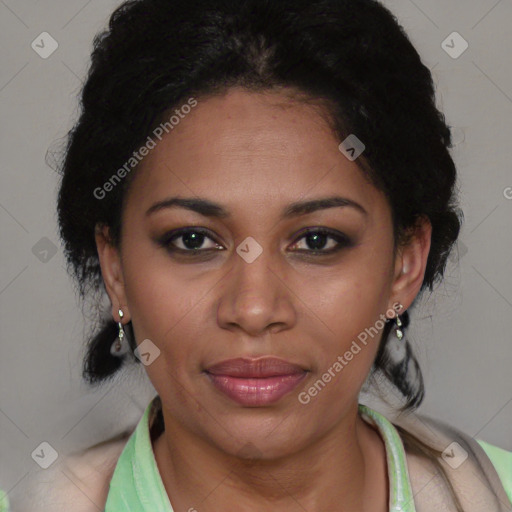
189,240
323,241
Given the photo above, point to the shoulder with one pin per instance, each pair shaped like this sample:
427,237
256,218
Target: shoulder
502,462
441,458
81,478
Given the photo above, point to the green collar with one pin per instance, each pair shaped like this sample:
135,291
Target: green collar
137,485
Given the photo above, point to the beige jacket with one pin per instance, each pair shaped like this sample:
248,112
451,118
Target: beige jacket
80,482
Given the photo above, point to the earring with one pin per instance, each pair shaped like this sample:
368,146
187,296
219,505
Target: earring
399,333
119,347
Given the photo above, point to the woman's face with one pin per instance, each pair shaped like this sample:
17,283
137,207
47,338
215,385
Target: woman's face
248,283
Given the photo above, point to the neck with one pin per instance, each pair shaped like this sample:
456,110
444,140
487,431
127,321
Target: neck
345,470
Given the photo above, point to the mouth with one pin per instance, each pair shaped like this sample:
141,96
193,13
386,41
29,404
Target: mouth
255,382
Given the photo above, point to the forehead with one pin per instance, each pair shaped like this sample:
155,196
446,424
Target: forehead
247,148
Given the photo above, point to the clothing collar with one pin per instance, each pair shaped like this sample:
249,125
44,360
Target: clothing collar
137,485
400,491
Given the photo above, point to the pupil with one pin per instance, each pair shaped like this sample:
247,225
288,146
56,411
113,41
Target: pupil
193,240
318,240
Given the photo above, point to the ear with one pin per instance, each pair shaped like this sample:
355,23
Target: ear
110,263
411,263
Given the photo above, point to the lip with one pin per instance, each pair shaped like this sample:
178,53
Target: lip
255,382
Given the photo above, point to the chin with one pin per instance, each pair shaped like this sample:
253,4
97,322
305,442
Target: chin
260,435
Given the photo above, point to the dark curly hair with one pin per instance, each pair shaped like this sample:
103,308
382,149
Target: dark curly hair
352,56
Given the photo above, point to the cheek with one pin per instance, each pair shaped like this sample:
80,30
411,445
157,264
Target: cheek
164,310
156,293
161,304
350,301
354,295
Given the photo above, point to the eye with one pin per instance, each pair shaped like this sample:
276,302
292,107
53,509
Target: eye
194,241
191,240
317,239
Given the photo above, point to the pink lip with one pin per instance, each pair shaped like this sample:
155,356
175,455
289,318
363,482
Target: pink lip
255,382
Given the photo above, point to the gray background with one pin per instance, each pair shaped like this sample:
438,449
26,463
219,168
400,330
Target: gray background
461,334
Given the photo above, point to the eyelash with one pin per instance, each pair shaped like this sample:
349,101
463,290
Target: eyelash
166,241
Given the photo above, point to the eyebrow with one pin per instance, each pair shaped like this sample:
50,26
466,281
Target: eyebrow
209,208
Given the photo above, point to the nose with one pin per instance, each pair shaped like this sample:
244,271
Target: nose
255,298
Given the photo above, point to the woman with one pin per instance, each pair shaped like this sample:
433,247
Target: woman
264,189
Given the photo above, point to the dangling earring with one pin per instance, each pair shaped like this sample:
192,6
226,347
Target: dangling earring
119,347
398,332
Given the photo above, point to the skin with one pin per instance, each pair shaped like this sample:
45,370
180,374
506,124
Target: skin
255,153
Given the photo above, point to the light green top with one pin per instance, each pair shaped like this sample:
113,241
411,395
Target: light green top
136,485
4,502
502,461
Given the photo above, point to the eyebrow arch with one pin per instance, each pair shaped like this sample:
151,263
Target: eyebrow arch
208,208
